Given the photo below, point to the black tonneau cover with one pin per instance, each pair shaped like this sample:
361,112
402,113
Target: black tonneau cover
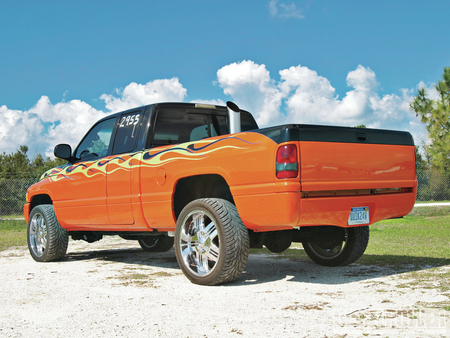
307,132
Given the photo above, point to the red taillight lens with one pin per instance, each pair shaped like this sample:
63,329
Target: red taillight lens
287,154
287,174
287,161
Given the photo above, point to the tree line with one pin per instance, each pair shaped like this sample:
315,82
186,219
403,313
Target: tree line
19,165
17,173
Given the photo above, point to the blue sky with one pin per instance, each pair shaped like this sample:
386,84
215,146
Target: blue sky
64,64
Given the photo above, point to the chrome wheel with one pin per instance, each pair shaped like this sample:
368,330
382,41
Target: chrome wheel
199,243
211,242
47,240
38,235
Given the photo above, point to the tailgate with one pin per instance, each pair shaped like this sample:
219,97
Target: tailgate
339,158
342,166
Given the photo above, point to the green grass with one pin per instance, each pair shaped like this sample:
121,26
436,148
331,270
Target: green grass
430,211
12,233
428,202
417,240
13,216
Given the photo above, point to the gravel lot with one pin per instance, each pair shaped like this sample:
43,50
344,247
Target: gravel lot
114,289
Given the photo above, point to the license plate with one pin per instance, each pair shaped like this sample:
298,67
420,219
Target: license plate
359,215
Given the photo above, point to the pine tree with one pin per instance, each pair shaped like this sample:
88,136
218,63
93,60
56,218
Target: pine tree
435,114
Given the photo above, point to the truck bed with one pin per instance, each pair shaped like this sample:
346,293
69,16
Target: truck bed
343,168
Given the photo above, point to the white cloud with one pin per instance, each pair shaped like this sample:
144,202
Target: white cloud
135,94
283,10
45,125
251,87
307,97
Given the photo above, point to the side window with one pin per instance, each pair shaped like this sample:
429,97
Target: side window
127,132
96,143
172,127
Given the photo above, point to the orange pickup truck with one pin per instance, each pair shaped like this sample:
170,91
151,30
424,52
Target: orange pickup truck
206,179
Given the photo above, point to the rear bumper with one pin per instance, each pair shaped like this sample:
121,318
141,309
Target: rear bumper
282,211
336,210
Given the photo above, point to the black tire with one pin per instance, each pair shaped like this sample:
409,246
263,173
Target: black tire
341,253
211,242
156,243
47,240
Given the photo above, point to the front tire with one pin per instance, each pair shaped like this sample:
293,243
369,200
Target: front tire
47,240
156,243
342,252
211,242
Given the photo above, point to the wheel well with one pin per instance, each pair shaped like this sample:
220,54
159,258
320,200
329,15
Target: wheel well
40,199
201,186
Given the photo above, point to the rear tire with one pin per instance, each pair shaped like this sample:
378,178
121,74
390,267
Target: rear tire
156,243
342,252
47,240
211,242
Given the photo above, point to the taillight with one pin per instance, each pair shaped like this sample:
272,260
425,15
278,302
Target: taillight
287,161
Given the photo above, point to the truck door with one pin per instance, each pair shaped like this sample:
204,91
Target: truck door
120,168
81,196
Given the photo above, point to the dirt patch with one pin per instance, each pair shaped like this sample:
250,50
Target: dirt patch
113,288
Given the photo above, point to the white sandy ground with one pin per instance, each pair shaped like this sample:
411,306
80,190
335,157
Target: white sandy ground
114,289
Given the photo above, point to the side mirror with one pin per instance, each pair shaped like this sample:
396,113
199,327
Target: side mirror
63,151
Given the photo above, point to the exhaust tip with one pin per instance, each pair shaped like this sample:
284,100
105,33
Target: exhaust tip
233,106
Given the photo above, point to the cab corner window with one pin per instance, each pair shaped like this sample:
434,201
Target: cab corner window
247,122
96,143
127,132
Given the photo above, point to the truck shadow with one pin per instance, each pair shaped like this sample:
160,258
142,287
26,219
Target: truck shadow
267,267
270,268
134,256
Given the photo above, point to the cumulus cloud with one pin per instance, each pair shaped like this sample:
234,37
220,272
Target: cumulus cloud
45,125
135,94
251,86
311,98
283,10
306,97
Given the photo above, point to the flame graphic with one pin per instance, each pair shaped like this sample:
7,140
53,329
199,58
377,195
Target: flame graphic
191,151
